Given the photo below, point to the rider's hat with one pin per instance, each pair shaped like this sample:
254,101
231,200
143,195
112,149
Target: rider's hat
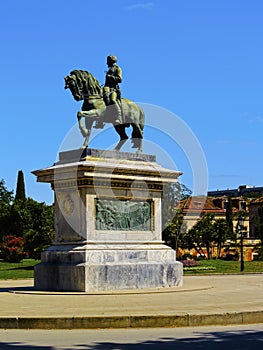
112,58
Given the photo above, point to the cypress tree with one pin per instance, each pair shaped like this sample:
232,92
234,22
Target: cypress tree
229,214
20,187
259,224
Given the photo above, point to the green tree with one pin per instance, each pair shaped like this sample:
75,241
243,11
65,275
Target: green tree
174,232
27,218
202,234
40,233
193,240
170,200
172,195
222,233
6,198
229,214
259,223
17,220
259,230
34,222
20,187
185,192
207,229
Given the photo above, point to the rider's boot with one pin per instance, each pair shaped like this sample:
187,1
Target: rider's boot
99,124
117,114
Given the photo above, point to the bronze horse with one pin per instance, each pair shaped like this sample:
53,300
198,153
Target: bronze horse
84,86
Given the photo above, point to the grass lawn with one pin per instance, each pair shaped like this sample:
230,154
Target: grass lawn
24,269
221,266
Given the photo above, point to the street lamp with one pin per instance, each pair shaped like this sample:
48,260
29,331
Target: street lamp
240,224
243,204
226,202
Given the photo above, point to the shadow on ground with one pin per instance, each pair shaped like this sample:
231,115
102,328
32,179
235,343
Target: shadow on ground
27,268
17,289
233,340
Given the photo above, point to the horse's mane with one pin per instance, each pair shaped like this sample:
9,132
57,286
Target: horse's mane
87,82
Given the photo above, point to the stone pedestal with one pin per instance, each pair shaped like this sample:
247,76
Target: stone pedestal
107,224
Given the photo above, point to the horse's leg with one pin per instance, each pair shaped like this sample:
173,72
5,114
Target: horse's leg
137,137
82,128
120,144
86,141
123,136
87,129
139,150
137,143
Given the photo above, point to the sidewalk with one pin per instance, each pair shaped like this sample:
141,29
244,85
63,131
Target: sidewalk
202,300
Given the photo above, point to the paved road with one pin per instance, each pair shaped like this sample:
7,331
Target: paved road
215,338
216,293
201,301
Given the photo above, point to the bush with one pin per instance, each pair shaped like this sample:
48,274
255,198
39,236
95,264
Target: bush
260,254
201,257
190,263
230,257
199,268
36,243
187,256
12,249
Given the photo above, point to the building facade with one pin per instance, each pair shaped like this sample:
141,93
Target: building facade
197,206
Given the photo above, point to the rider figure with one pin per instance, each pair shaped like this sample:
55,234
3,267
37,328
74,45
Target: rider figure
111,90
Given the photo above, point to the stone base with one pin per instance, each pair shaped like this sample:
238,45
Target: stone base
88,153
108,224
84,269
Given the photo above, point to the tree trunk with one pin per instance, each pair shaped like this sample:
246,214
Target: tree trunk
208,251
219,248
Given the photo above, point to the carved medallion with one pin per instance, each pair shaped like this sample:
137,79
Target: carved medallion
66,204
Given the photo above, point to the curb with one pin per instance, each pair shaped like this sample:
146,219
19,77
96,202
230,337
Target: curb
155,321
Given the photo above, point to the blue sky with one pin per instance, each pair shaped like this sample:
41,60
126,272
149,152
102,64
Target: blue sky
201,60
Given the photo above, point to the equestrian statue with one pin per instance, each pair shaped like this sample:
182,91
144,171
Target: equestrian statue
105,105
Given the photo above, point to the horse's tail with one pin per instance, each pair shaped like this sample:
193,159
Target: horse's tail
141,119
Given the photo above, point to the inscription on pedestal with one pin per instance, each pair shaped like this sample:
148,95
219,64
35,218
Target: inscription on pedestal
124,215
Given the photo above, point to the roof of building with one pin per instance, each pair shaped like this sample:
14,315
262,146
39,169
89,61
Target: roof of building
258,200
236,192
204,204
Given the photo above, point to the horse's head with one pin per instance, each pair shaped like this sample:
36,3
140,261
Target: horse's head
81,83
72,83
